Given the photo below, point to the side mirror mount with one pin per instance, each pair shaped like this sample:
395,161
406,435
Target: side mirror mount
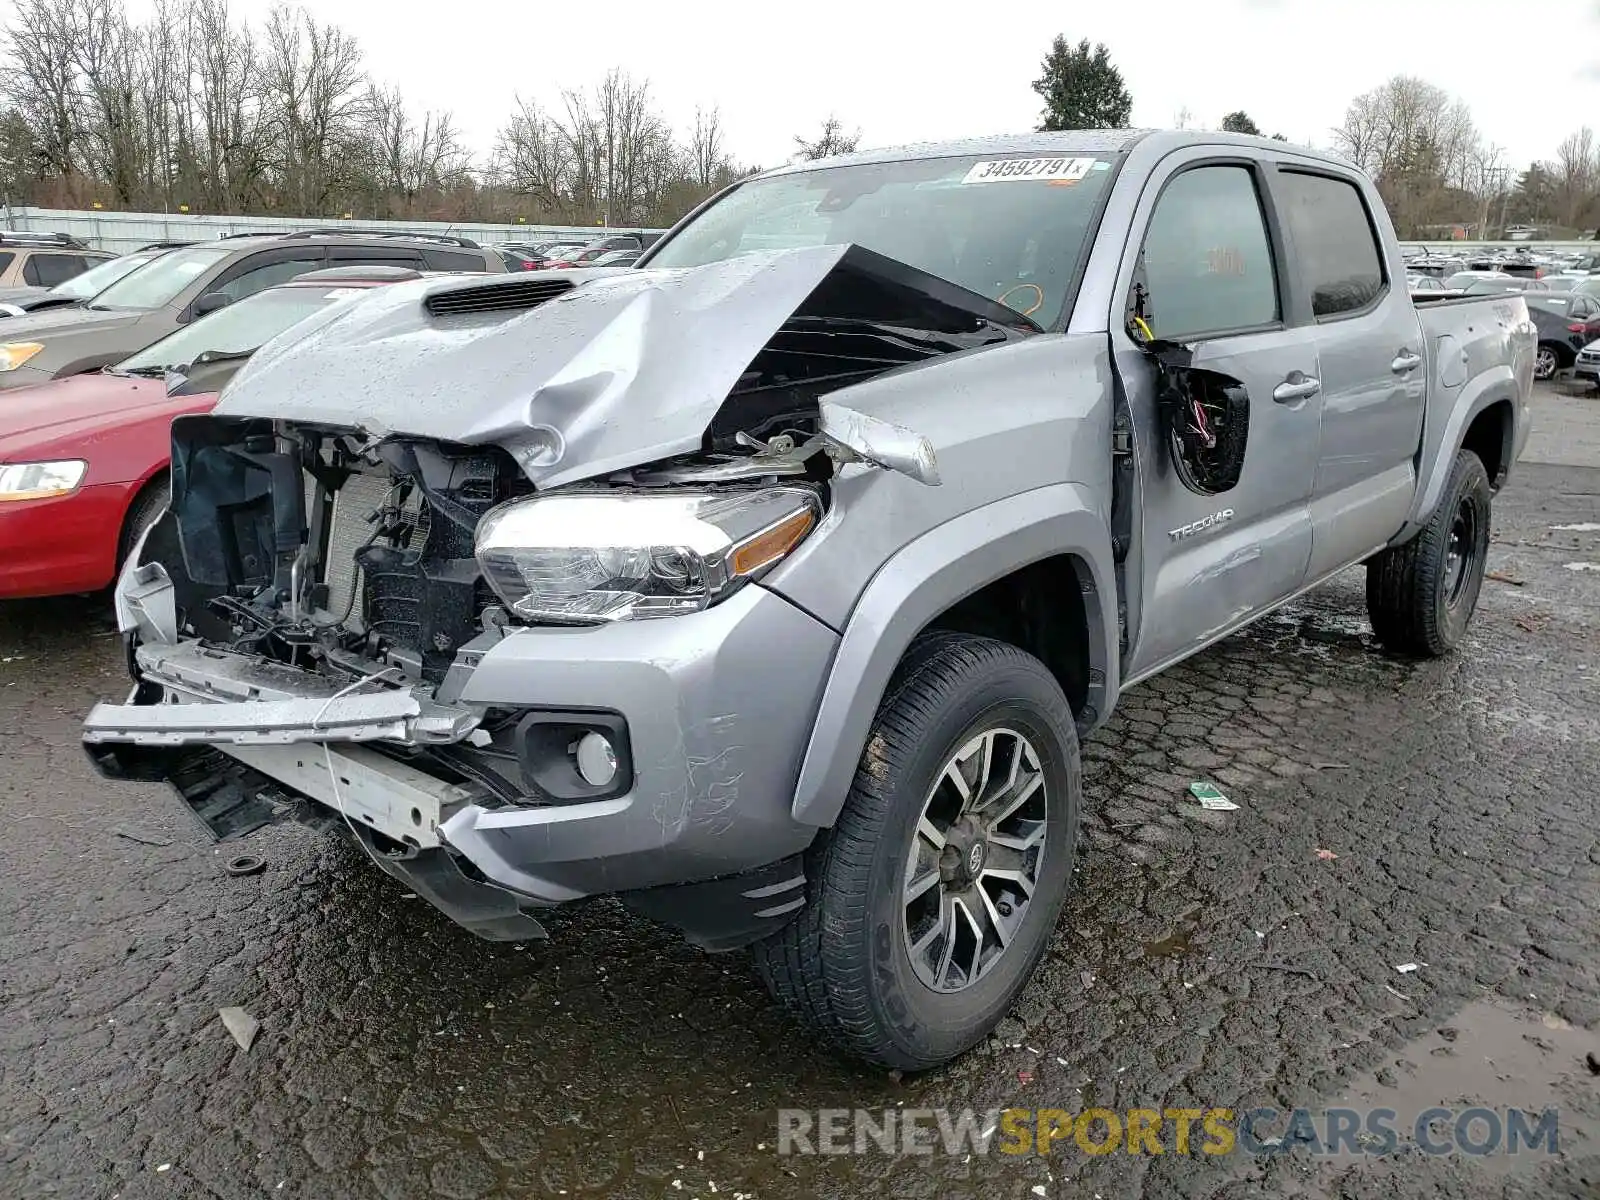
1207,419
210,302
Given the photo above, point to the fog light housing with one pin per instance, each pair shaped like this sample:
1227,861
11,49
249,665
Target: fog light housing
574,756
596,759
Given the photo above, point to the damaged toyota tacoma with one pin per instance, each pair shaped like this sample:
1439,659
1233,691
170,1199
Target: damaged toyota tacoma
769,586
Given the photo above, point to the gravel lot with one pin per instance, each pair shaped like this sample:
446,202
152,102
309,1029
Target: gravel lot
399,1057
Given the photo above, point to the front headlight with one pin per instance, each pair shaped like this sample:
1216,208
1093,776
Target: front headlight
40,480
14,354
592,558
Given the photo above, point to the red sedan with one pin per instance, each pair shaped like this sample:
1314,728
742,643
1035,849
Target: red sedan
83,461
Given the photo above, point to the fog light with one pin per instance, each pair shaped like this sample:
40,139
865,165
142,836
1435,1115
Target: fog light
597,760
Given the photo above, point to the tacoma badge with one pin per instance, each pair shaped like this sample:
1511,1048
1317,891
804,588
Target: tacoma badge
1204,523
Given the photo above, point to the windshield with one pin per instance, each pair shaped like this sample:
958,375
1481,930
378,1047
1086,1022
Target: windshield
81,287
241,328
168,275
1010,229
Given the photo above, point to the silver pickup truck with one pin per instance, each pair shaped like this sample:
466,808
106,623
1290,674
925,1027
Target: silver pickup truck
770,586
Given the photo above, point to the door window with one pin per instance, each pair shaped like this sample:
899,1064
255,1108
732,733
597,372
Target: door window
1207,263
253,280
1334,242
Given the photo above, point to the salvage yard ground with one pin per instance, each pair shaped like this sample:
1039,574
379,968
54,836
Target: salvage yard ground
1204,959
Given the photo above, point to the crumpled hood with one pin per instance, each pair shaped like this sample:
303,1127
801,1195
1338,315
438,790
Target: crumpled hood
624,369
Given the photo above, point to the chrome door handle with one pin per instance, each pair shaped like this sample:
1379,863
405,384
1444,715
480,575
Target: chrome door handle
1405,362
1296,387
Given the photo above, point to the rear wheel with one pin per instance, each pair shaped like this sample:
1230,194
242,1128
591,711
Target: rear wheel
934,896
1549,361
1421,595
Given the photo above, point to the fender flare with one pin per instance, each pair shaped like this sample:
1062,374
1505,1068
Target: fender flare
1485,390
918,583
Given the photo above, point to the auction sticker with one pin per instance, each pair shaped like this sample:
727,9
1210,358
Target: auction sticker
1007,169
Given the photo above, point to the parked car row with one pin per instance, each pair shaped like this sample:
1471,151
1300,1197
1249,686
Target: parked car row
613,250
1562,291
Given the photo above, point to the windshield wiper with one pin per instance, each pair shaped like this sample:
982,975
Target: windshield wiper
152,372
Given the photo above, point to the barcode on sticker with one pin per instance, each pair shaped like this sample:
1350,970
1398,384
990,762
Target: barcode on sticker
1006,169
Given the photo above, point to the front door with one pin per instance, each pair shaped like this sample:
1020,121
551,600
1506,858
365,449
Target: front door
1205,254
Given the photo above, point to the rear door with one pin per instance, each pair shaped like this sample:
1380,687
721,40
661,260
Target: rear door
1369,344
1207,251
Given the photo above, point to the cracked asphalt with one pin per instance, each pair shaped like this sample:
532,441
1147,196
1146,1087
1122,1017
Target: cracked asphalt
1204,959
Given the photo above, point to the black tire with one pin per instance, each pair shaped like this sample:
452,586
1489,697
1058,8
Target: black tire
1418,604
843,966
147,506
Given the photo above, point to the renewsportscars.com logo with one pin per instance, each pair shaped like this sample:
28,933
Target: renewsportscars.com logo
1473,1131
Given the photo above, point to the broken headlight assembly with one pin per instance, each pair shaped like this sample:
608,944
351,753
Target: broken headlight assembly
592,558
40,480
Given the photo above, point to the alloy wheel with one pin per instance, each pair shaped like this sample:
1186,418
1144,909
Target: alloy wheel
975,859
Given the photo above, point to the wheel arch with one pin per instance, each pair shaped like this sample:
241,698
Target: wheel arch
160,477
990,571
1486,410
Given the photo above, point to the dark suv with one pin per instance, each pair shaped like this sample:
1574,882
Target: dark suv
190,281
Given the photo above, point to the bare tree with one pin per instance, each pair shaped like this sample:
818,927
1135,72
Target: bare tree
833,140
1576,172
534,159
706,148
314,87
412,158
1420,145
41,80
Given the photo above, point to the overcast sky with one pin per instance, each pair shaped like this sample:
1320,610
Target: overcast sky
903,72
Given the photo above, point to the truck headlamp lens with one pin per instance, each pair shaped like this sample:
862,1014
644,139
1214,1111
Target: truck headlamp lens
586,559
14,354
40,480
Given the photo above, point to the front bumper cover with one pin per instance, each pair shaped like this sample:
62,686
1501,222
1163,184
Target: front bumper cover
718,705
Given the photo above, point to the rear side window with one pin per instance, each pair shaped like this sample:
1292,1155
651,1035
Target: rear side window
47,270
1334,242
453,260
1207,262
6,259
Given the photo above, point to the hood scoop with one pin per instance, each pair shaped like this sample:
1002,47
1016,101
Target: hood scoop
496,297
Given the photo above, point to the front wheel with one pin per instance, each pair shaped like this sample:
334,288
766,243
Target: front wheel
1421,595
934,896
1547,363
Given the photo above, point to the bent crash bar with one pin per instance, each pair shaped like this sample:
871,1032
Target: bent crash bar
219,697
257,712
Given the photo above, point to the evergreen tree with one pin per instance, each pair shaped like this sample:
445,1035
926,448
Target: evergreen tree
1081,89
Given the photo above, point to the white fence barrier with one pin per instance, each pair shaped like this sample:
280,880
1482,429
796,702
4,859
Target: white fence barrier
121,232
